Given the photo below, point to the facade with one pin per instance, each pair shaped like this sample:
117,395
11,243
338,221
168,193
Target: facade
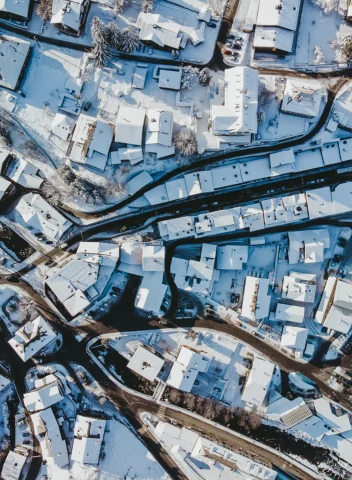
69,16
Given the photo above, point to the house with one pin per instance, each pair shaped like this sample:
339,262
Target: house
231,257
131,254
169,78
199,182
159,32
48,433
176,189
145,363
4,383
133,154
334,310
69,16
175,228
288,412
186,368
14,56
294,338
319,202
5,188
40,217
256,301
300,287
63,126
129,125
91,142
47,394
151,292
238,114
273,40
252,217
289,313
332,415
153,257
138,182
159,129
88,438
308,245
84,278
302,97
17,10
258,383
32,338
25,174
13,466
284,15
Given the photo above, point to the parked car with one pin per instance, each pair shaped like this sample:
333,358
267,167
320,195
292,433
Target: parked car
87,106
212,25
13,278
237,46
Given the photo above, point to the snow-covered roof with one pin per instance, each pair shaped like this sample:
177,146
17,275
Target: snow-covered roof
231,257
25,174
186,368
129,125
62,126
138,182
226,176
300,287
157,195
258,382
18,8
274,38
13,466
296,207
199,182
102,253
282,14
89,434
345,148
294,338
4,185
47,429
283,157
176,228
319,202
172,435
170,79
290,412
239,112
340,445
256,301
133,154
153,259
131,252
332,415
324,303
191,358
302,97
176,189
342,198
67,13
252,217
4,382
13,56
146,363
159,127
155,28
308,245
179,266
32,337
289,313
151,292
343,295
44,397
338,319
274,211
313,427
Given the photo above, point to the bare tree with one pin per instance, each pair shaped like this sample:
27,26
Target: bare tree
174,396
189,401
26,306
51,193
115,189
186,142
254,421
129,39
208,409
45,9
118,6
5,134
216,6
100,39
327,6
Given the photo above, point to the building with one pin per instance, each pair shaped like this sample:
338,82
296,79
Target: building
69,16
14,56
169,78
4,383
159,130
300,287
19,10
283,15
319,202
199,182
84,278
176,228
273,40
5,188
308,245
91,142
48,392
48,433
231,257
88,438
256,301
129,125
334,310
63,126
145,363
294,338
159,32
153,257
289,313
151,292
186,368
332,415
25,174
302,97
288,412
13,466
131,254
258,384
238,114
138,182
32,338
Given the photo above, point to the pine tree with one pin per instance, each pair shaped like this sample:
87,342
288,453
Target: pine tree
118,5
115,35
129,39
204,77
100,39
147,5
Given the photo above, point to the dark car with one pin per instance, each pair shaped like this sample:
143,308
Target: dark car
237,46
233,297
212,25
13,278
87,106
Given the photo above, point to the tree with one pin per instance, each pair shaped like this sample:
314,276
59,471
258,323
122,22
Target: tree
319,55
204,77
174,396
115,189
188,75
5,134
328,6
189,401
100,39
346,46
216,6
261,116
26,306
186,142
118,6
253,420
114,35
208,408
129,39
147,5
44,9
52,194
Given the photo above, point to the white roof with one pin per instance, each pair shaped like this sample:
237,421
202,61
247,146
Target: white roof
62,126
231,257
308,245
131,252
199,182
319,202
258,382
239,113
102,253
170,79
330,414
274,211
25,174
151,292
129,125
13,465
176,189
289,313
295,207
192,359
12,59
342,198
181,377
343,295
340,445
313,427
44,422
285,17
133,154
325,299
275,38
89,434
44,397
159,30
138,182
338,319
226,176
181,227
159,127
4,185
302,97
283,157
299,287
294,337
256,301
32,337
179,266
153,259
146,363
19,7
68,13
42,217
252,217
157,195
